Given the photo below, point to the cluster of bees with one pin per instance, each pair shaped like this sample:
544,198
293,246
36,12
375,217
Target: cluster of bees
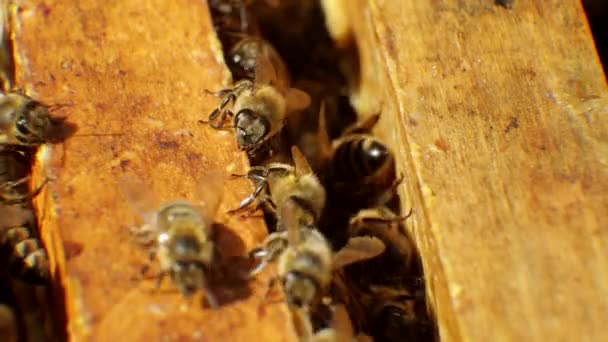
25,124
328,187
348,268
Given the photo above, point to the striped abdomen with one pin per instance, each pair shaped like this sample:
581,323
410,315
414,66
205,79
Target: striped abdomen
28,259
362,160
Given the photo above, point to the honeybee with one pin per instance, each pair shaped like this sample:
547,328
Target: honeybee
23,120
400,258
28,260
277,183
340,328
259,107
357,165
397,315
232,14
183,233
244,54
305,260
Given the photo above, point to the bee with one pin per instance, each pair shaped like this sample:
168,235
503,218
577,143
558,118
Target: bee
232,14
305,260
357,165
28,259
277,183
244,54
23,120
183,233
398,314
400,259
259,107
384,224
340,328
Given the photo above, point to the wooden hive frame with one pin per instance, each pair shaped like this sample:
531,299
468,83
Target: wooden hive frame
498,119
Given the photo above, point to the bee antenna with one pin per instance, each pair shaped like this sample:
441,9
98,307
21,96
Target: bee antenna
57,106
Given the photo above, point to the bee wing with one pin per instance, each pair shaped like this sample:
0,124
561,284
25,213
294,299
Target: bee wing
323,133
290,222
358,249
265,72
363,127
210,191
301,165
139,196
296,99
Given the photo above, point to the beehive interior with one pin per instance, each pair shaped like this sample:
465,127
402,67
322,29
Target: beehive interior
329,72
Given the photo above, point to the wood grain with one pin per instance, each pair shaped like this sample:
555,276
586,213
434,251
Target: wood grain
499,120
130,75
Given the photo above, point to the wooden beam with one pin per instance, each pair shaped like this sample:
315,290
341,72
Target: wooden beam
499,118
130,75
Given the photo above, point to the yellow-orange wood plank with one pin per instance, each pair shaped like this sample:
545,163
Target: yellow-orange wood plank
499,120
137,69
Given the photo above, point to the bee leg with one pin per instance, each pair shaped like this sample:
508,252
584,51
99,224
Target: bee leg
249,199
159,277
220,122
20,198
387,195
151,256
269,288
259,253
211,298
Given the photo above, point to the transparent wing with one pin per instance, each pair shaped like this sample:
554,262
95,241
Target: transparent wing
290,221
302,167
358,249
139,196
296,99
210,191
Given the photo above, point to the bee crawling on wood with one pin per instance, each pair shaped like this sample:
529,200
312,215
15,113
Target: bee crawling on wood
305,259
259,107
182,232
277,182
23,120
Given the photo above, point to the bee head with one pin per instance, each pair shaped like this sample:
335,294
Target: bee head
251,129
300,289
33,123
189,277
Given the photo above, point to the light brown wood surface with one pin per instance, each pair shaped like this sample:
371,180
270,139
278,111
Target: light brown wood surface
133,72
499,121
